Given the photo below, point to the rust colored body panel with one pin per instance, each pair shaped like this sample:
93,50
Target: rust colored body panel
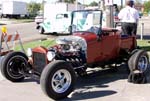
40,49
105,49
129,43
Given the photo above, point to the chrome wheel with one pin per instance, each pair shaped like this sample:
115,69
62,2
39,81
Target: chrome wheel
61,81
58,79
143,63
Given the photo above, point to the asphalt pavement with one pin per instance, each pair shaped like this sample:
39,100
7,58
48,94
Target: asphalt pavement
103,85
1,77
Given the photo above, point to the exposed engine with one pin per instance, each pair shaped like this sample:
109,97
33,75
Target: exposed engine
72,49
72,43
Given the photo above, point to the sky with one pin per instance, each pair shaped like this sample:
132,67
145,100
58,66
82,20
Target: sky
82,1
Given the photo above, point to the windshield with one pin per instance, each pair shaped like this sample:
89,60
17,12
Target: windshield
88,20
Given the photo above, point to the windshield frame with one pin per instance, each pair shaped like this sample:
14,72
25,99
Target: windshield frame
72,19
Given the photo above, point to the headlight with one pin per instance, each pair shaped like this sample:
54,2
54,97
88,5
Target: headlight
29,52
50,55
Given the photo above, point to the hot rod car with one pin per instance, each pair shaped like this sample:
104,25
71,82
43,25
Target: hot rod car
89,46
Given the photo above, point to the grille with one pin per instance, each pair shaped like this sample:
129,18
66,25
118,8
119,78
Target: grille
39,61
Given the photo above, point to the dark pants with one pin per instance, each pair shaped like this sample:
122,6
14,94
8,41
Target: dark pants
129,28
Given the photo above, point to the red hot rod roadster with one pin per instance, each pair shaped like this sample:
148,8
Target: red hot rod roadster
89,46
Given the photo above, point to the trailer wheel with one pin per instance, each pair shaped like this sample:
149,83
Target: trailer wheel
139,66
41,30
58,79
13,64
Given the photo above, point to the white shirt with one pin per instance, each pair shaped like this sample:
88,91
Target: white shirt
129,15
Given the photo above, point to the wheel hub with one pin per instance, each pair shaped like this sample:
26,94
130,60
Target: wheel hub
143,63
61,81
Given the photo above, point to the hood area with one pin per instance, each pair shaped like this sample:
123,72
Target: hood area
72,40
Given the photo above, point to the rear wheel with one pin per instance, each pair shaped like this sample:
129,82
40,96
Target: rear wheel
13,64
139,66
58,79
139,61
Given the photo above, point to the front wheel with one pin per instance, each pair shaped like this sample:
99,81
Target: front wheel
12,66
58,79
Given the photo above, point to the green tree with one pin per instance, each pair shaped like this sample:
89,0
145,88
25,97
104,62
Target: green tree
137,2
93,3
147,6
33,8
60,1
69,1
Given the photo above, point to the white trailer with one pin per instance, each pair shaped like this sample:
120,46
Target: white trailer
14,9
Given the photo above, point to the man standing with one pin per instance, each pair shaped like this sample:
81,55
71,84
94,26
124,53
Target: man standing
129,17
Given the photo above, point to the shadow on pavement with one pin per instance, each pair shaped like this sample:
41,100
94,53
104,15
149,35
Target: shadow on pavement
94,80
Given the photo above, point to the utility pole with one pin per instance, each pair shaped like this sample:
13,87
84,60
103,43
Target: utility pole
109,13
76,4
121,4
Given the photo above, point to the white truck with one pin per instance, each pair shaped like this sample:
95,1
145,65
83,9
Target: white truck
57,17
14,9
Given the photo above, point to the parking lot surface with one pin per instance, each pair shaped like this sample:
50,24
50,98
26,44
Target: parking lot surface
103,85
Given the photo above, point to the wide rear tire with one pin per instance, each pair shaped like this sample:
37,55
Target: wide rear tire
58,79
139,61
139,67
12,64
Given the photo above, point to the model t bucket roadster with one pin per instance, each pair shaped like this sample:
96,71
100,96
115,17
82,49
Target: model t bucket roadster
89,46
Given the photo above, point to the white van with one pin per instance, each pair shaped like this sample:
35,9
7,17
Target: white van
58,24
